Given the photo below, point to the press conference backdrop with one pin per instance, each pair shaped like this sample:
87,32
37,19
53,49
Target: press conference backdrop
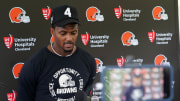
115,32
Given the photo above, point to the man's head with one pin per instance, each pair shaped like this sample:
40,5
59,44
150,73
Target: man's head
63,15
64,21
137,80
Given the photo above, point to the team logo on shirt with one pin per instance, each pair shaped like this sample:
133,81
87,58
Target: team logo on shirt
65,84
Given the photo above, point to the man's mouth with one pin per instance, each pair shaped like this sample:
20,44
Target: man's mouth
68,44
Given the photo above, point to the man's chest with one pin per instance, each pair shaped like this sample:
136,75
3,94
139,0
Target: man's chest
62,80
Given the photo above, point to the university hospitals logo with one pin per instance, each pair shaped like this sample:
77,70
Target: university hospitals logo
20,44
12,96
85,38
161,38
9,41
121,61
118,12
18,15
46,12
17,69
128,39
93,14
127,14
129,60
161,60
158,13
152,35
65,81
94,40
99,65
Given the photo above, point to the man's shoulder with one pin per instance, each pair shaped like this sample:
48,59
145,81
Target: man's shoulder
39,55
84,52
86,57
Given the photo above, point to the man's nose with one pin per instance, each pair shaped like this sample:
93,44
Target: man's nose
69,37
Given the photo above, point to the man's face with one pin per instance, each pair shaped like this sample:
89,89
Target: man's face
137,81
65,37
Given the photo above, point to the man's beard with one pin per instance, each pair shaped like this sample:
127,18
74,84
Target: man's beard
69,51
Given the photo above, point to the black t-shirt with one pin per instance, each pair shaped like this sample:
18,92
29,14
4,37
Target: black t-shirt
49,77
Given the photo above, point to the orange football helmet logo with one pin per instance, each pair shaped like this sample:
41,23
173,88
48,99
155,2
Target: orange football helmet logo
93,14
128,38
161,60
159,13
18,15
99,65
17,69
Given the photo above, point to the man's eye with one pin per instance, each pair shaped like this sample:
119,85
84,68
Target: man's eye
62,33
73,33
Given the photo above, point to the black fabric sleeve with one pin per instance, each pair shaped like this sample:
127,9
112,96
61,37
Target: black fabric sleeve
89,85
26,83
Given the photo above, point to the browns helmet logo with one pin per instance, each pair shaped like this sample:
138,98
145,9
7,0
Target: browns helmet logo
128,39
17,69
18,15
161,60
65,80
93,14
99,65
159,13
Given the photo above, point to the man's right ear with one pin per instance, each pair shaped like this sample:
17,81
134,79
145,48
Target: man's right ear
52,31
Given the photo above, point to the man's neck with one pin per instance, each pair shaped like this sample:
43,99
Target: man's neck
65,54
